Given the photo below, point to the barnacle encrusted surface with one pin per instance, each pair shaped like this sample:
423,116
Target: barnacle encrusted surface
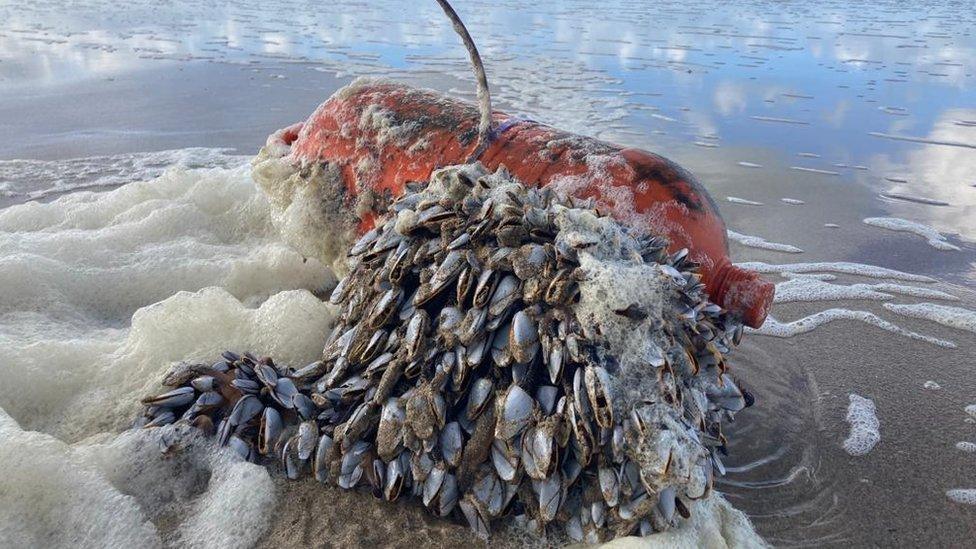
501,351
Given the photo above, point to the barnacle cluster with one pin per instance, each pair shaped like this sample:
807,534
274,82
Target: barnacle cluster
501,350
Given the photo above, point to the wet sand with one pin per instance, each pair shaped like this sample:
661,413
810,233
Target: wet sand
313,515
817,493
172,106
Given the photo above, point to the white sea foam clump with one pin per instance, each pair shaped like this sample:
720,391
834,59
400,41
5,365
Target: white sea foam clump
92,259
123,492
775,328
934,237
309,206
615,278
953,317
761,243
865,427
73,273
805,287
714,524
40,178
966,446
51,497
971,410
99,294
840,267
746,202
962,495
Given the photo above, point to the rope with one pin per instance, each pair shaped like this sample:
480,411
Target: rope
485,134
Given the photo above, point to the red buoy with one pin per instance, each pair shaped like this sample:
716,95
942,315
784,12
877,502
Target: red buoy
383,135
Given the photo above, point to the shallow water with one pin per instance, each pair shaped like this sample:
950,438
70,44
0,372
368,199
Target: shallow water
802,121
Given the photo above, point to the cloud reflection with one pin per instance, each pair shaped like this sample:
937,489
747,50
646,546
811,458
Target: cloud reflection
939,172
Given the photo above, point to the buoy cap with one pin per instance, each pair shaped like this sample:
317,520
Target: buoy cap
745,294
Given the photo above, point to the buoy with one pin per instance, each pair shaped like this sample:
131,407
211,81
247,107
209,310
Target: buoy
384,134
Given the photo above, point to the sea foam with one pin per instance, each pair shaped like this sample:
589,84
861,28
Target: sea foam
962,495
113,491
775,328
761,243
189,260
99,294
954,317
934,237
805,287
714,523
865,427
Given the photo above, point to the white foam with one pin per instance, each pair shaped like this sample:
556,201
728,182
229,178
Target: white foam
934,237
382,121
24,177
971,410
842,267
98,378
749,164
761,243
307,205
613,282
737,200
865,428
714,523
953,317
618,200
793,201
811,276
73,272
775,328
962,495
108,491
966,446
914,291
931,385
95,258
806,288
243,491
47,497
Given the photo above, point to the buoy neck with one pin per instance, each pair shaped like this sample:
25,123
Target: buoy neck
743,293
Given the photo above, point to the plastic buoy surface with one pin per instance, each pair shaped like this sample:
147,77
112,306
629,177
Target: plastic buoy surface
383,135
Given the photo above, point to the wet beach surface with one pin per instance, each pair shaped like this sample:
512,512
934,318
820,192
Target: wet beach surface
801,121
